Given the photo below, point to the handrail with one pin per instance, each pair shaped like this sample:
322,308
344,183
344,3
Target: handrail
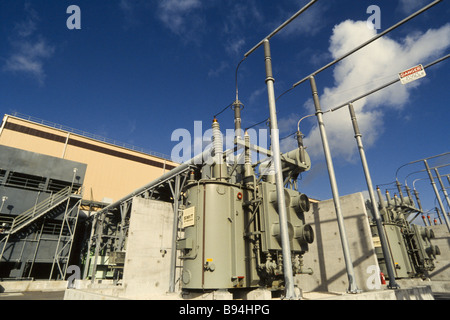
40,208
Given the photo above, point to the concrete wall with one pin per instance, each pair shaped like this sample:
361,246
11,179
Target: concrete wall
326,256
442,262
146,271
147,262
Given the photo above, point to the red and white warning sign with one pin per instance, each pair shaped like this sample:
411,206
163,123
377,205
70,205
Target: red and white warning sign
412,74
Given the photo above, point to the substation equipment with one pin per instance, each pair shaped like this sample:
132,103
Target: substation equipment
227,233
231,224
410,245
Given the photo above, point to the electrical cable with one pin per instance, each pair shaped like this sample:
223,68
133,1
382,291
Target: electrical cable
237,90
223,110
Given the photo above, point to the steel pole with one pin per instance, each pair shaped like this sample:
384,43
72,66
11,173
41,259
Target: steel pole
345,247
384,244
99,233
442,186
275,139
173,253
433,184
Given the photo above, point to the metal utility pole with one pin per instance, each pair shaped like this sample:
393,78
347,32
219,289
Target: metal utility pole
442,186
433,184
275,139
384,244
348,260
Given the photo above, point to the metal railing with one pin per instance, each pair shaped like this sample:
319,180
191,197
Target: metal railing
90,135
40,209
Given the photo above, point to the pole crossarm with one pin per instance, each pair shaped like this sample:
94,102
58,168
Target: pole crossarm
367,42
385,85
284,24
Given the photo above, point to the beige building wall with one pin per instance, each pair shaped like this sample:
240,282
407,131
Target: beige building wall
112,171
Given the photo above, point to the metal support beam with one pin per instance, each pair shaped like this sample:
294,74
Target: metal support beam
173,254
442,186
275,140
348,260
433,184
99,235
384,244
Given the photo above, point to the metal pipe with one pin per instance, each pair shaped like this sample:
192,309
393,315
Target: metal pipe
388,198
348,260
275,140
416,194
399,188
380,198
237,107
442,186
301,147
284,24
173,253
408,192
386,85
384,244
172,173
433,184
99,232
438,214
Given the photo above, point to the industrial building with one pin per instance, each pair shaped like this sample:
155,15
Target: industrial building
109,163
52,178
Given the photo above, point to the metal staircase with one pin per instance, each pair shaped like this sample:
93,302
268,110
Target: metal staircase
46,207
26,218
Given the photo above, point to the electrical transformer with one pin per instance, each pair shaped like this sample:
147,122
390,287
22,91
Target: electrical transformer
231,224
410,245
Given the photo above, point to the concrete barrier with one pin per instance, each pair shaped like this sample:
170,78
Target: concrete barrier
38,285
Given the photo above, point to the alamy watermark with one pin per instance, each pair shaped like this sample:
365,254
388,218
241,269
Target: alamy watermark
374,21
74,20
373,281
75,276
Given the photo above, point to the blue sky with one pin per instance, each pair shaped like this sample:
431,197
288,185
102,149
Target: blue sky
138,70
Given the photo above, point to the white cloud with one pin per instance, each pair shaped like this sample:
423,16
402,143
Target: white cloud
367,69
28,58
174,13
234,46
128,11
28,52
409,6
215,72
256,94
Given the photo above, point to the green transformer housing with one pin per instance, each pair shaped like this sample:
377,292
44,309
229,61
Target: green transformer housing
232,235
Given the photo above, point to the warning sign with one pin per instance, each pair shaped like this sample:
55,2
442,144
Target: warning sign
188,218
412,74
